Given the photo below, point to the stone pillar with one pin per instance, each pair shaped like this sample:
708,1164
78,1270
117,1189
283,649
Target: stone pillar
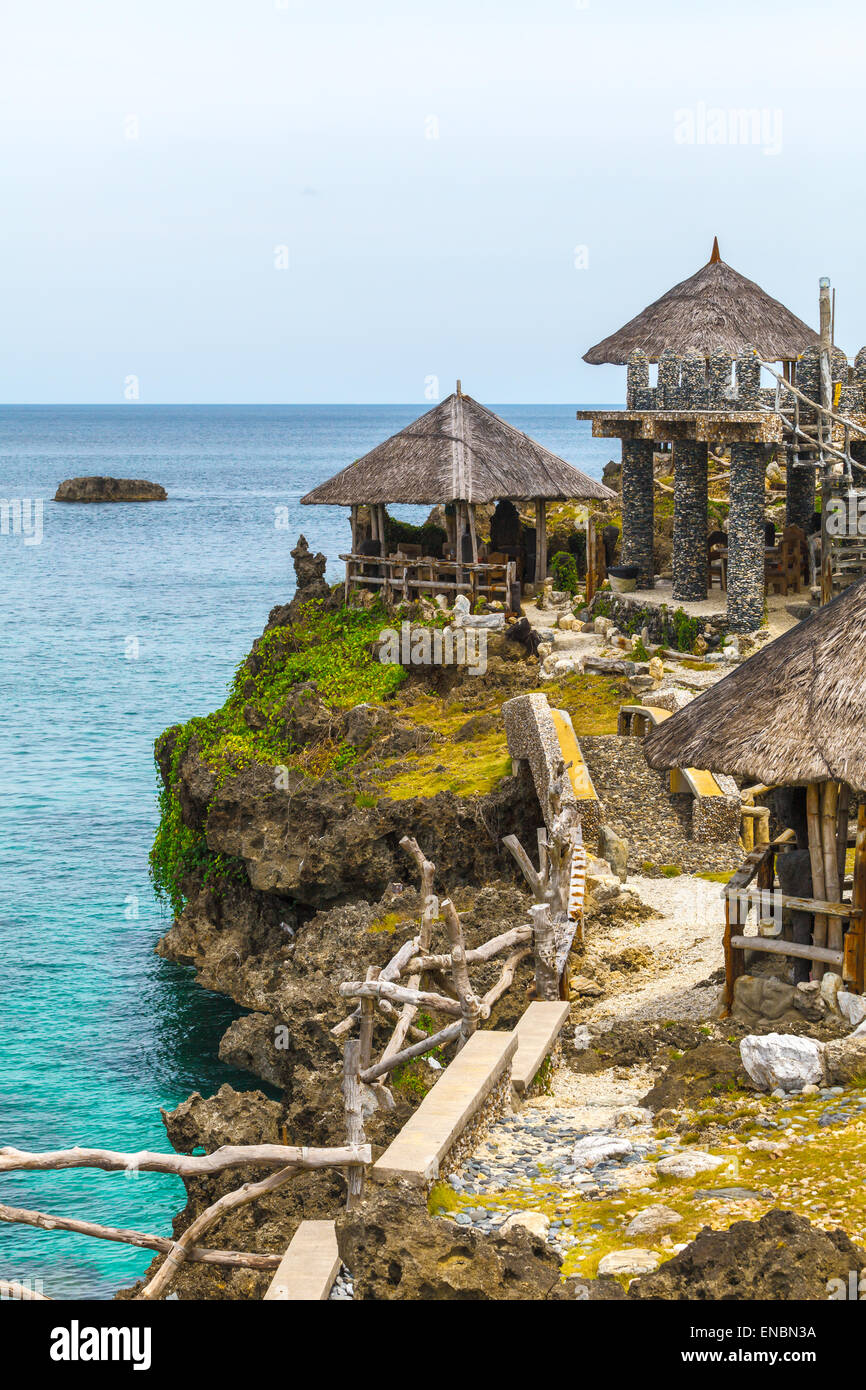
637,508
637,378
746,538
690,520
799,495
668,378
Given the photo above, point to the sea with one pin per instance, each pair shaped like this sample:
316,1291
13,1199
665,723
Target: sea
118,621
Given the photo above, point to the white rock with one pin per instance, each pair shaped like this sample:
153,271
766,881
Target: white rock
629,1262
810,1089
652,1220
544,650
687,1164
582,1037
851,1006
782,1060
630,1115
568,622
462,604
595,1148
831,983
534,1221
563,667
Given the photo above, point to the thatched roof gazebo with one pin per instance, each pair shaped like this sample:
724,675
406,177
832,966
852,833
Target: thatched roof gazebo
460,453
715,308
794,715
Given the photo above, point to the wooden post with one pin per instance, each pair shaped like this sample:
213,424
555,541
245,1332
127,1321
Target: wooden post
365,1036
470,1004
544,945
855,939
816,857
832,889
353,515
473,534
354,1116
540,540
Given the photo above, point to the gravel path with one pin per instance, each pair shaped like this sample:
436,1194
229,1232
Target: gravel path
685,942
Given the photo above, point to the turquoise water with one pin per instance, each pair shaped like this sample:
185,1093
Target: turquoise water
123,620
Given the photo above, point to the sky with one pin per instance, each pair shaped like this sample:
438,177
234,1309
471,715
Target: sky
293,201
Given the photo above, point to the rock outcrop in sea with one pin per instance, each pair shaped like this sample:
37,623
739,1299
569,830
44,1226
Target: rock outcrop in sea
98,489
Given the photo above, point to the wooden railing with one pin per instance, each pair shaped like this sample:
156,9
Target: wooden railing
404,577
759,869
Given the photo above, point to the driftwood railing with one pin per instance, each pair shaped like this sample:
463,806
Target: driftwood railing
395,991
286,1160
558,886
403,576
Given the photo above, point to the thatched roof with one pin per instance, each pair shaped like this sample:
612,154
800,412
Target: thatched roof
458,451
793,713
716,308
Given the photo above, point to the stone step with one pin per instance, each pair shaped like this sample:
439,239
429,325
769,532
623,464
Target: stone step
459,1094
310,1265
536,1033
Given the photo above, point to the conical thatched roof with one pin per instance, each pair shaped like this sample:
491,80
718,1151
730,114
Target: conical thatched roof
458,451
793,713
716,308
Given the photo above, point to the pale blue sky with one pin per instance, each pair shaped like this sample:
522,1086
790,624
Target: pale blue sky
268,123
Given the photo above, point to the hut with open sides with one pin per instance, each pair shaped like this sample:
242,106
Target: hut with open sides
709,335
792,717
461,455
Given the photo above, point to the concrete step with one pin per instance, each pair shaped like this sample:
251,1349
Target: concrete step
536,1034
446,1110
310,1265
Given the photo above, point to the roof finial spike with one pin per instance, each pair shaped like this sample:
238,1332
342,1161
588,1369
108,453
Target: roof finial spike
717,255
459,387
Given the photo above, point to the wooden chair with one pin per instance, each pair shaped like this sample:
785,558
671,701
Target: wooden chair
786,566
717,559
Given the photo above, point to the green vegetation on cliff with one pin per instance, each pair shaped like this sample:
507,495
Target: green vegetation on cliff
330,648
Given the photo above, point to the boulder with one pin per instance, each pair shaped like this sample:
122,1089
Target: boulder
852,1007
614,849
782,1060
845,1059
109,490
652,1221
598,1148
831,983
688,1164
533,1221
629,1262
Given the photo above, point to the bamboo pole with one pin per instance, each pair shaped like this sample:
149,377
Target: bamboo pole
816,859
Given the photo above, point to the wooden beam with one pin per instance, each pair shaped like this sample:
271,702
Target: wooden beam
540,540
786,948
